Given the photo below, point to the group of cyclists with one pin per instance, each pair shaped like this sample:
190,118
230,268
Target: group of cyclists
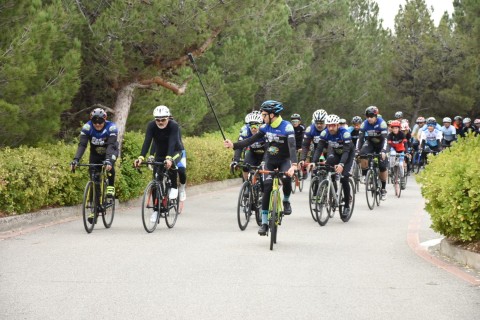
267,139
277,144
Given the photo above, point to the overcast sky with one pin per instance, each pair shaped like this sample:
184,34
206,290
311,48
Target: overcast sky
389,9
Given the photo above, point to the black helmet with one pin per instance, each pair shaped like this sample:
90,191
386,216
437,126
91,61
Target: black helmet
272,106
371,111
356,120
295,116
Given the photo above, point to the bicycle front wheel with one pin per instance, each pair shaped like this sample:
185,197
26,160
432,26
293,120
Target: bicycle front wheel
294,182
150,212
322,203
396,181
89,207
351,202
244,205
257,202
370,189
273,219
300,180
171,210
108,208
312,197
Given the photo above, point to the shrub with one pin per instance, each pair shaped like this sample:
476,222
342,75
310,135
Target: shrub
450,184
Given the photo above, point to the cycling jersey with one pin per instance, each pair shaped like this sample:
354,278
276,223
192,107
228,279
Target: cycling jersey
355,134
299,131
167,141
448,133
375,134
431,138
257,147
339,144
312,134
397,141
103,143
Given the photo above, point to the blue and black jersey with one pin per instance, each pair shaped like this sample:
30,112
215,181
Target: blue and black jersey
339,143
312,134
258,147
103,143
375,134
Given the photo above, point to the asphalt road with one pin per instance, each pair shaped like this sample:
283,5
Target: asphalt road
206,268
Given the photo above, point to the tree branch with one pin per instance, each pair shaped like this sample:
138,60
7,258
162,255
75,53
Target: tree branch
177,89
183,59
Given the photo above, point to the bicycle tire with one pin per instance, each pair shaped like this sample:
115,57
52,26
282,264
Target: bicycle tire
370,189
108,208
378,194
89,206
257,202
396,180
294,182
351,202
314,183
148,206
244,205
171,206
322,203
300,180
273,219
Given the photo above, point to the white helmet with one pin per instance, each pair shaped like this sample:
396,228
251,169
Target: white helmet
332,119
254,116
467,120
161,112
342,121
319,115
447,119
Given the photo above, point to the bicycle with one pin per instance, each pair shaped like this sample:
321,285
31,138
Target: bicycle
156,199
372,181
297,180
275,205
356,175
424,160
95,200
330,197
318,175
250,197
394,175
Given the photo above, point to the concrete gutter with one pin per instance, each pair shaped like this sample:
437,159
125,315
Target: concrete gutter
28,220
462,256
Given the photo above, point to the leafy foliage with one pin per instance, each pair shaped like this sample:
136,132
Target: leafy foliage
450,186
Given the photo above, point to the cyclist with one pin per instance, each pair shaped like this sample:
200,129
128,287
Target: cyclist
168,147
343,123
281,154
299,129
397,144
432,120
448,131
102,135
341,153
430,138
373,138
355,129
312,134
467,126
458,124
417,129
255,152
408,156
477,125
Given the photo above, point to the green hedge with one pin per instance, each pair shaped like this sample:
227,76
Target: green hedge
35,178
451,186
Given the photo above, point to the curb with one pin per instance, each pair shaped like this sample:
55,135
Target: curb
462,256
12,223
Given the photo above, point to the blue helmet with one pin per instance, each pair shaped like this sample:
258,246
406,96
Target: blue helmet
272,106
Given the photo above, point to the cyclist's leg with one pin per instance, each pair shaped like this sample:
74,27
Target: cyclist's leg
267,190
182,175
287,186
382,164
366,149
344,180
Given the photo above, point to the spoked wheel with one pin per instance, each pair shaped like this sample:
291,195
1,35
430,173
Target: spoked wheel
108,209
257,203
396,181
356,177
244,207
351,203
312,197
150,216
370,189
273,219
170,206
378,194
294,182
322,203
89,207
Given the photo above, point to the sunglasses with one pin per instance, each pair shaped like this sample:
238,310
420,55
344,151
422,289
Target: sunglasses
295,121
254,126
161,120
319,122
98,121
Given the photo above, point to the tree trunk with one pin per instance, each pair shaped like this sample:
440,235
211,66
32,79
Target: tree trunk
122,109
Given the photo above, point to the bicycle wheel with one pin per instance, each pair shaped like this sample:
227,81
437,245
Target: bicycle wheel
378,194
370,189
273,219
108,208
244,205
294,182
89,207
322,203
300,180
356,176
351,201
257,203
312,197
149,218
396,181
170,206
